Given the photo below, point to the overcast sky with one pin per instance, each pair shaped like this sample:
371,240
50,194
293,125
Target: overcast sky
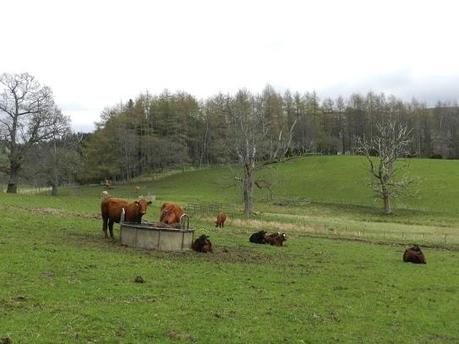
94,54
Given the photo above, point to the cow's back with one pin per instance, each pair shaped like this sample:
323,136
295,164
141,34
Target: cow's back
111,208
170,213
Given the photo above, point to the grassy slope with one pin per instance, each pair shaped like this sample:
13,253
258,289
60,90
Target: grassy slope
61,282
328,179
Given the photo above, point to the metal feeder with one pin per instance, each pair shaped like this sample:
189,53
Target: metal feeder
157,236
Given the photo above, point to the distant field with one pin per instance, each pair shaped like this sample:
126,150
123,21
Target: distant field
61,282
325,179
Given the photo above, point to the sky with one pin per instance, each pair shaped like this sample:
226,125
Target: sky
95,54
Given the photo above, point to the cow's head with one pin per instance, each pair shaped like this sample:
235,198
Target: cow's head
142,205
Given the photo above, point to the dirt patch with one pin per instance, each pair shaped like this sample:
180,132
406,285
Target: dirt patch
227,254
62,213
52,211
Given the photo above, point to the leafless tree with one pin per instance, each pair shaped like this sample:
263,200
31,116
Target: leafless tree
28,116
390,142
247,132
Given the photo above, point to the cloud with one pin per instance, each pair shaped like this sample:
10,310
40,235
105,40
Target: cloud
403,84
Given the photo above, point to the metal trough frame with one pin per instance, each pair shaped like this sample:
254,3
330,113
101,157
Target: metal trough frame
150,236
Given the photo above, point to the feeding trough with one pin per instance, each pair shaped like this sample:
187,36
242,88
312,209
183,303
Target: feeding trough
158,236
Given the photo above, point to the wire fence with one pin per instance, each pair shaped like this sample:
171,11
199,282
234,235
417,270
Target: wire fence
211,208
358,231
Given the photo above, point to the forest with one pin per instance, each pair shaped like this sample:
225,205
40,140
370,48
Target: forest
171,130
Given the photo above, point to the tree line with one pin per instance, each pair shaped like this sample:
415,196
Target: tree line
169,130
172,130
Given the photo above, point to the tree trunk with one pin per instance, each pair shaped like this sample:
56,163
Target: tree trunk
12,188
387,209
248,189
13,180
55,180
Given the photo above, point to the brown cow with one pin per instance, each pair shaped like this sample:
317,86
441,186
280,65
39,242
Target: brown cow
170,213
111,209
221,218
414,255
202,244
276,239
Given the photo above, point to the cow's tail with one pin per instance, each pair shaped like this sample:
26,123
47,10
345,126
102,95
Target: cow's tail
123,215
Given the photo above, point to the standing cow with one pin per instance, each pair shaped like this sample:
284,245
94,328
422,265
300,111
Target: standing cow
111,209
170,213
221,218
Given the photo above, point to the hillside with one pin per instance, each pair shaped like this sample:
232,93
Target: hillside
325,179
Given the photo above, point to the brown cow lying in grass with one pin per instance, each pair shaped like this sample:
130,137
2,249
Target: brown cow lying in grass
170,213
202,244
276,239
414,255
221,218
111,209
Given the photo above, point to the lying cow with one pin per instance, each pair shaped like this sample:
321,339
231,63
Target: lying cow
221,218
276,239
111,209
202,244
258,237
414,255
170,213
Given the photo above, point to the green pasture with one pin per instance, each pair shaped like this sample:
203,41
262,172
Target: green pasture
339,278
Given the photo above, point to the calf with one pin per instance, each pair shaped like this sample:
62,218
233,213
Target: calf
276,239
111,209
414,255
202,244
221,218
170,213
258,237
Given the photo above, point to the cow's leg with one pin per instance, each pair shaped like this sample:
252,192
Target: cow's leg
110,227
104,226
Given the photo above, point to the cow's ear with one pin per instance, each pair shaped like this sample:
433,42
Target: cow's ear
149,202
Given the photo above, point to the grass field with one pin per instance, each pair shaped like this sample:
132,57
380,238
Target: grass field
61,282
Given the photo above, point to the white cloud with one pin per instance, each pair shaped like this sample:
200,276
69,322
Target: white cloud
98,53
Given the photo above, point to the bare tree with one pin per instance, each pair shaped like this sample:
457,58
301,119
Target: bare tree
62,152
28,116
247,132
390,142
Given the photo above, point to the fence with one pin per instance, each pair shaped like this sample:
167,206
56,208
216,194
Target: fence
358,231
211,209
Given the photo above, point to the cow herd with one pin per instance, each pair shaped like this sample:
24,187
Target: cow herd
114,209
261,237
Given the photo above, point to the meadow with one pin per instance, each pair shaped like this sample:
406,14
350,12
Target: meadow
339,278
